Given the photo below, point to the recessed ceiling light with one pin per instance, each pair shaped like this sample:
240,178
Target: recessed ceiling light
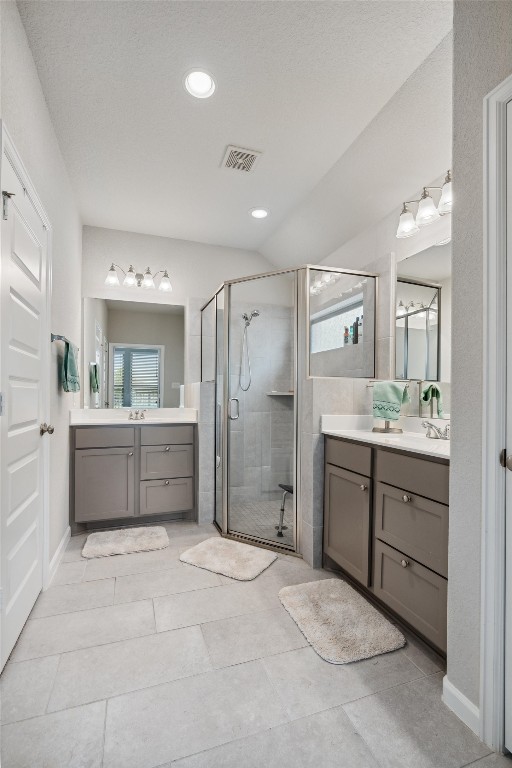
199,84
259,213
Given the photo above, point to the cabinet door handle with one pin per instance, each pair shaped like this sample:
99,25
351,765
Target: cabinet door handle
131,453
406,498
363,487
167,448
404,563
167,482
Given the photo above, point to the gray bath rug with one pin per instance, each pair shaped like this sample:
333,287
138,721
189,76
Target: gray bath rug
338,622
125,541
229,558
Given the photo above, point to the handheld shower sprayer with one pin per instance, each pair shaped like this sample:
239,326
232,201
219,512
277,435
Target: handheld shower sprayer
245,349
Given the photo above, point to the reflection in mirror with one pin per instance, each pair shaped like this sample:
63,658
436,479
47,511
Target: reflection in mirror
417,331
133,354
423,334
341,324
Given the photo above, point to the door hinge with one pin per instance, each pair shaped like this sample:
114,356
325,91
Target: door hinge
503,458
6,196
1,403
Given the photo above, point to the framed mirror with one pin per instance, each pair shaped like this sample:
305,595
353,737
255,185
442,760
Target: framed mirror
423,315
133,354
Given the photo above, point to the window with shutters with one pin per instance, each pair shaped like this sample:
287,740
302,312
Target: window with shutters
136,376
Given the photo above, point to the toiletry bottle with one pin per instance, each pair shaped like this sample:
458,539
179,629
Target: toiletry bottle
345,337
360,331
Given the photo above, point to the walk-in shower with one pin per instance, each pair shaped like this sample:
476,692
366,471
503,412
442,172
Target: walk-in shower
245,355
260,363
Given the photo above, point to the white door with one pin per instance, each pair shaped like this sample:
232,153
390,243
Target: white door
508,528
23,352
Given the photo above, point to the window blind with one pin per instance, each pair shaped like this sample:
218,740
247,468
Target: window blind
136,377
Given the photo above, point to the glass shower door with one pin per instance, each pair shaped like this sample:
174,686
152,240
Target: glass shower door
261,409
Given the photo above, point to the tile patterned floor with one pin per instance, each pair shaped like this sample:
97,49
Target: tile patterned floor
259,518
141,661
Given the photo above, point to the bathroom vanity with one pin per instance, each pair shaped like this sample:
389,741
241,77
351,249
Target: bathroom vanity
386,522
125,470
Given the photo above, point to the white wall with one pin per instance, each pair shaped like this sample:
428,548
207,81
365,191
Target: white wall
26,117
406,145
195,269
163,328
482,59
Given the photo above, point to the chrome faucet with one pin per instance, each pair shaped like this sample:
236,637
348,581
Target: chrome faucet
436,433
137,415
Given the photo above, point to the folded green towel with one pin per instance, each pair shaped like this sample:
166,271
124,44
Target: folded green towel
70,375
429,393
388,398
95,377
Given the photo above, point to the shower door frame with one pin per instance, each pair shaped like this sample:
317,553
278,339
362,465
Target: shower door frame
225,417
301,373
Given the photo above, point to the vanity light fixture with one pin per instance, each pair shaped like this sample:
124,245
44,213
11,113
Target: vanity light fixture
133,279
199,84
427,211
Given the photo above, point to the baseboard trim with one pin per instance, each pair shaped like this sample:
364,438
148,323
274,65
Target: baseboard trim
468,712
55,561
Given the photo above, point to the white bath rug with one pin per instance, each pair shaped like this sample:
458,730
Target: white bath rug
125,541
229,558
338,622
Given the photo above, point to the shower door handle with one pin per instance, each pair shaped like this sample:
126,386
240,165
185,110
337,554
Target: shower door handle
237,415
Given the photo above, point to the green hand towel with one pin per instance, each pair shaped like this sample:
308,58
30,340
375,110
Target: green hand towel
388,398
95,377
70,375
429,393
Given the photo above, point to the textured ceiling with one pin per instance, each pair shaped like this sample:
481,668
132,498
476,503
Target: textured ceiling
298,81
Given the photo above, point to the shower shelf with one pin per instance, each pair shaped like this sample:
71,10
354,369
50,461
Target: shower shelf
280,394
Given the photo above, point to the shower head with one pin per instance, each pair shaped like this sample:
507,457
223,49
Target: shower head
248,318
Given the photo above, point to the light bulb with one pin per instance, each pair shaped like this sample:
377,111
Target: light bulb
148,281
130,280
406,224
427,211
446,199
200,84
401,309
165,283
112,278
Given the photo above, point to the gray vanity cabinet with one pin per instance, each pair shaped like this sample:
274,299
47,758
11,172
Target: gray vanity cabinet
130,471
104,483
347,521
386,525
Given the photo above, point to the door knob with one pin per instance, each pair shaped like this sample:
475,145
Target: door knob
363,487
167,448
508,462
44,427
406,498
167,482
404,563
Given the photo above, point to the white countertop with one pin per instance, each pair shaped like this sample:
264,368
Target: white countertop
119,416
413,438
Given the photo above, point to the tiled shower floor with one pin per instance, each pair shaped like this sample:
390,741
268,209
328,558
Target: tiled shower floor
139,661
259,518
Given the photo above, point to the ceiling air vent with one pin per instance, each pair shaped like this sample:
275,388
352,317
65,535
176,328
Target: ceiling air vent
240,159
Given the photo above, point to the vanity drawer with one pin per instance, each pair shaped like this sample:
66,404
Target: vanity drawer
104,437
342,453
414,525
166,461
417,475
160,496
413,592
172,435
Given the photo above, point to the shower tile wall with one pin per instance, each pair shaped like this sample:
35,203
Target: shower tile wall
261,454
